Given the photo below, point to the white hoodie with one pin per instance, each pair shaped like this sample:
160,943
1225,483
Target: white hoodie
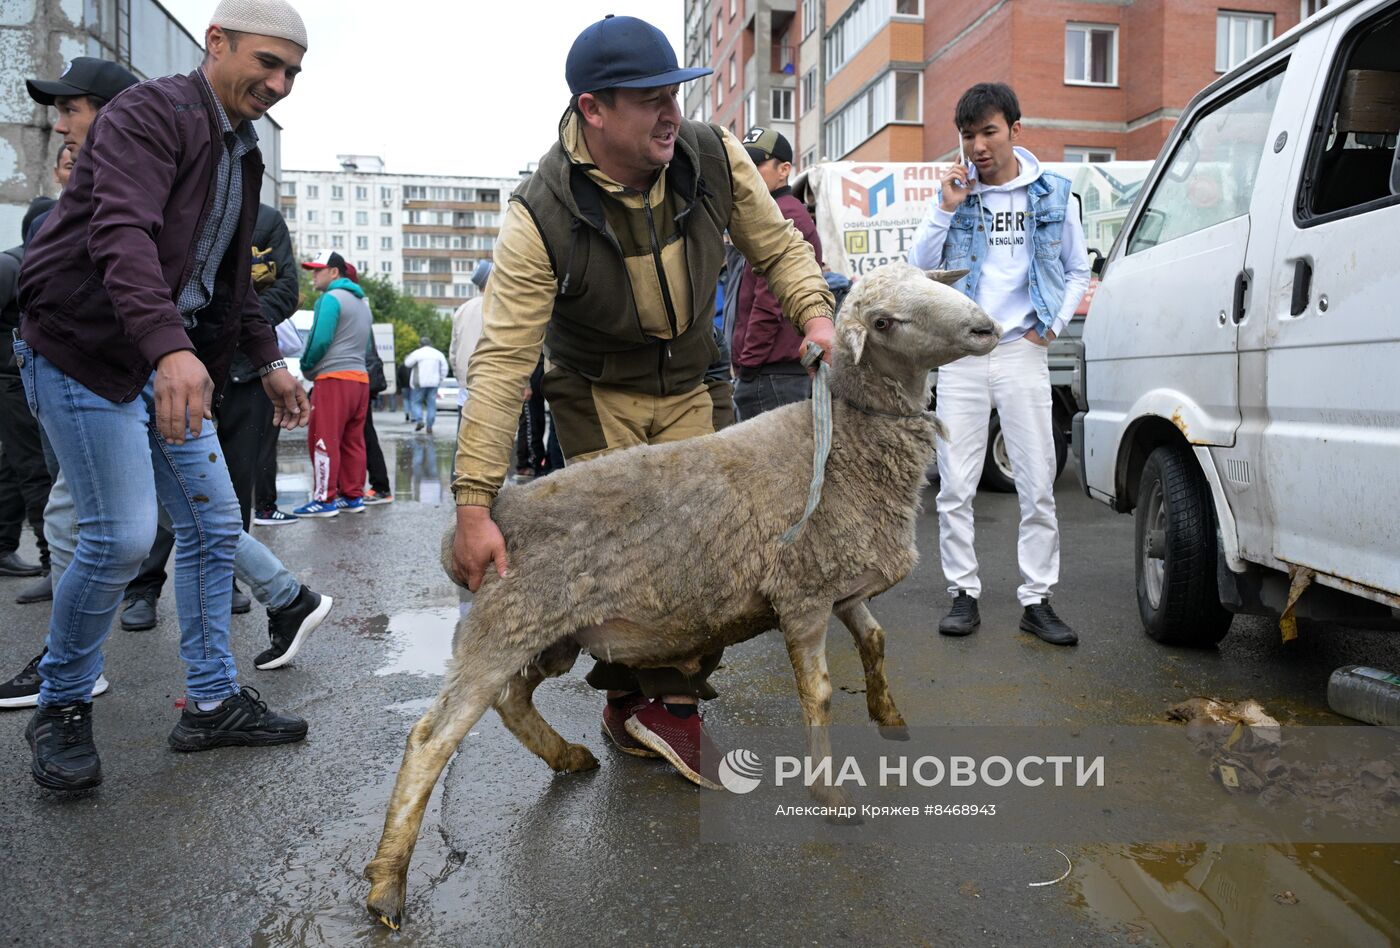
1004,290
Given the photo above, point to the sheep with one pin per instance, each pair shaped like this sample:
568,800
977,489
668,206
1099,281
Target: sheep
655,555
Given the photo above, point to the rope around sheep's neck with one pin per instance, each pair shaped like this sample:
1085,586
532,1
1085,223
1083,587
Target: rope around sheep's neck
821,436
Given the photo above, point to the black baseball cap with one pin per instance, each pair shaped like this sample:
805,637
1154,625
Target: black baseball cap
85,75
623,52
329,258
765,143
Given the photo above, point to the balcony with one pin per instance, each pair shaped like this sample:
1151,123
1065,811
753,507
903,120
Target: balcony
784,59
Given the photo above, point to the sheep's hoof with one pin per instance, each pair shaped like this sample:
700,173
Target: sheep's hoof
576,757
385,903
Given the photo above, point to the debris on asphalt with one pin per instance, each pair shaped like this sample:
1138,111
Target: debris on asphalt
1069,867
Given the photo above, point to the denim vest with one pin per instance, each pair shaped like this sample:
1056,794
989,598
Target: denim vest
966,245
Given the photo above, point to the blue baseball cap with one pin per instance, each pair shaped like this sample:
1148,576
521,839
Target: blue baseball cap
623,52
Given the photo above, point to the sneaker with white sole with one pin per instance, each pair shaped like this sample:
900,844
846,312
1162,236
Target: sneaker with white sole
317,508
22,691
288,627
350,504
272,517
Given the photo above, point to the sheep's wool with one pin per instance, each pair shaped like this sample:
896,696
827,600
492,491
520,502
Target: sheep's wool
263,17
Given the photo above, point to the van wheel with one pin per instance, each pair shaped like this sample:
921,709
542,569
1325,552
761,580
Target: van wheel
996,467
1176,553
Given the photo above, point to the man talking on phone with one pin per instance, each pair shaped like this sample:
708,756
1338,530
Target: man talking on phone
1012,226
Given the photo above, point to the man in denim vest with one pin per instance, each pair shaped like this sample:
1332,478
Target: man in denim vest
1013,228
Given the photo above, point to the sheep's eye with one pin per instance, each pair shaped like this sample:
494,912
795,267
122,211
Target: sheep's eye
881,323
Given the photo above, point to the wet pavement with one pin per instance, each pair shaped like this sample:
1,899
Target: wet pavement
265,847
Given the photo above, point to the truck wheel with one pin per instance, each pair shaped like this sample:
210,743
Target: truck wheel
996,467
1176,553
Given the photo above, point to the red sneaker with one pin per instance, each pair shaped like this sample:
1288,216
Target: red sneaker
615,725
682,741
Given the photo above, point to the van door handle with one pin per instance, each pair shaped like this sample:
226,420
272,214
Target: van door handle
1241,291
1302,287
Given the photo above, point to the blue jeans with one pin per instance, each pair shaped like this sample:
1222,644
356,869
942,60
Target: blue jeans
769,390
110,454
423,402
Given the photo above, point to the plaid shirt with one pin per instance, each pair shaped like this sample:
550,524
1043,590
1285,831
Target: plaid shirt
222,222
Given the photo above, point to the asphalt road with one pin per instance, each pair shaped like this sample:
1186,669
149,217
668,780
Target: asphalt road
265,847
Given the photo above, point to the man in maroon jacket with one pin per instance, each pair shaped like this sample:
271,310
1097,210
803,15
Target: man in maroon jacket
766,348
135,296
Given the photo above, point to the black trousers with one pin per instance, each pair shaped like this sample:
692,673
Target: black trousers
374,457
24,478
244,416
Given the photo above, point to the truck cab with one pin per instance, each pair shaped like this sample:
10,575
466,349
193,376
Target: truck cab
1239,378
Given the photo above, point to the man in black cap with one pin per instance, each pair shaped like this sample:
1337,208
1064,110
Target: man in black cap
766,350
639,198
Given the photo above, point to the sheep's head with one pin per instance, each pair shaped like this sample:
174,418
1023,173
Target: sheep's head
899,318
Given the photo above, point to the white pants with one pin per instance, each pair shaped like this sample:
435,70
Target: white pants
1014,378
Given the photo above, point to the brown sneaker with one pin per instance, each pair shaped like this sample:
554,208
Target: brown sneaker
615,725
682,741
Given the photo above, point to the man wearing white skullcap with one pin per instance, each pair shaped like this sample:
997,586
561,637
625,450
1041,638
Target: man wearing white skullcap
135,296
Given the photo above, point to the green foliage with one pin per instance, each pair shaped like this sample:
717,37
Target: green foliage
412,318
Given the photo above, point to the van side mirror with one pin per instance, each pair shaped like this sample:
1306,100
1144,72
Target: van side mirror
1096,267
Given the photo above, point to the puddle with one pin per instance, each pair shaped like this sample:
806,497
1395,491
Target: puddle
420,469
1237,894
420,642
416,707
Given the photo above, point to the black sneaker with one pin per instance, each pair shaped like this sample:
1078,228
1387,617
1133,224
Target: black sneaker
22,691
139,614
963,618
243,720
241,604
288,627
65,758
1039,619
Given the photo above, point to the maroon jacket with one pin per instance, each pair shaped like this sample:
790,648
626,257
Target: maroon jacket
100,280
762,334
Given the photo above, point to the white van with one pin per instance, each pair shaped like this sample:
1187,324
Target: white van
1239,380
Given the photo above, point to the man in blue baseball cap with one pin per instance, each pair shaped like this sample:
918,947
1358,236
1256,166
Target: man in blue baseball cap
608,259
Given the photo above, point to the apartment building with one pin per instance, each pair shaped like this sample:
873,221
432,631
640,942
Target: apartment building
877,80
424,233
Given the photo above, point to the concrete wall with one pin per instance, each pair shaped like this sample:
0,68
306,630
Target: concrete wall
37,38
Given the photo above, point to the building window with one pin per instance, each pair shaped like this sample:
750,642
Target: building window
733,8
782,105
337,193
337,217
809,158
909,7
1082,155
810,10
311,217
719,29
1091,55
894,97
289,189
361,193
1311,7
751,108
386,194
733,72
386,243
462,290
386,219
290,212
463,265
362,218
809,90
313,241
386,266
361,243
719,94
415,193
312,191
362,266
337,241
857,26
1239,36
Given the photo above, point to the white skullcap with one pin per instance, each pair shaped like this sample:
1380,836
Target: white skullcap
263,17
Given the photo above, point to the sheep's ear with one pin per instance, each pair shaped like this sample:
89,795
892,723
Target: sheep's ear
948,277
940,429
854,334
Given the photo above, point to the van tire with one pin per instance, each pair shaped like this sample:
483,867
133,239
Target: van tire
996,466
1177,594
